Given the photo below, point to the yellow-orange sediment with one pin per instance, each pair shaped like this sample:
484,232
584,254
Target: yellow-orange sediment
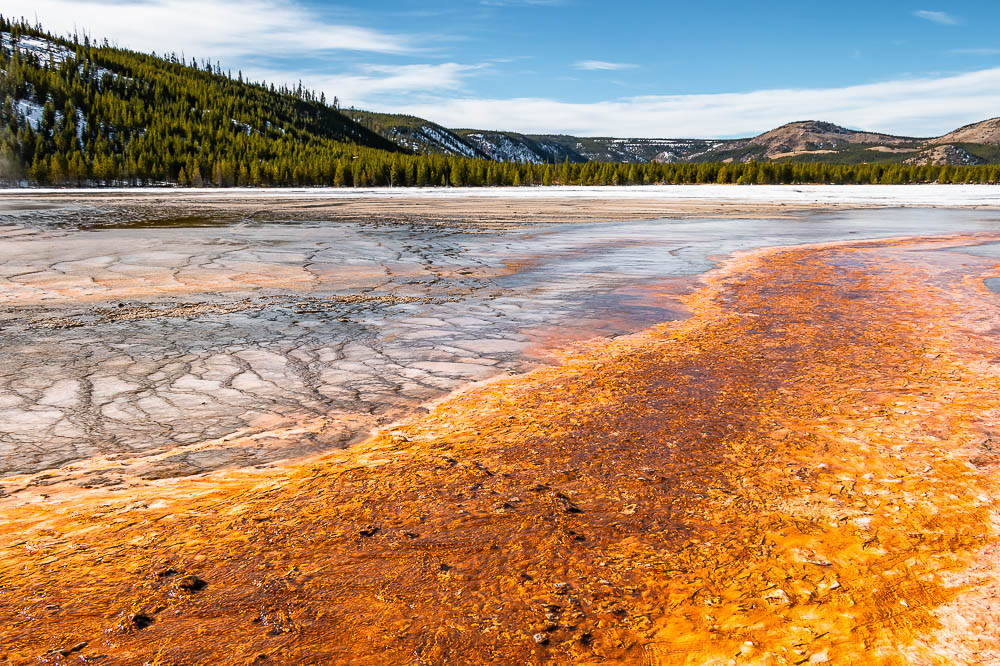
801,472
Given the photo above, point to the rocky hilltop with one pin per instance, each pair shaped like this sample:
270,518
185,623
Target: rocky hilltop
987,131
812,135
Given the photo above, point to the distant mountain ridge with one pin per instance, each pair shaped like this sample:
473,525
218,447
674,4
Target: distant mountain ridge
808,140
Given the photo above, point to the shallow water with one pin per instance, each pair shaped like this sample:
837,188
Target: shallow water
140,342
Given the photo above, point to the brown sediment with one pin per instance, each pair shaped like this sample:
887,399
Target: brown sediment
802,472
44,287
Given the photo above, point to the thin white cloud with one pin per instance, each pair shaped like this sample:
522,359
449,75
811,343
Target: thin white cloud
942,18
978,52
371,85
915,107
217,29
256,35
522,3
603,65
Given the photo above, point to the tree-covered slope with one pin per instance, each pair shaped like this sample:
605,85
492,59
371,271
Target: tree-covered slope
73,112
416,134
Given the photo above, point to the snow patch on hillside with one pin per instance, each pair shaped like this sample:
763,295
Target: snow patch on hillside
43,49
684,151
430,138
246,129
31,111
502,148
269,126
447,141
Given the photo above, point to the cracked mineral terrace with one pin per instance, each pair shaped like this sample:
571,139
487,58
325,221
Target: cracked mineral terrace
798,467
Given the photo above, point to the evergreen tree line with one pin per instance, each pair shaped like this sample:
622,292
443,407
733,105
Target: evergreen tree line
101,115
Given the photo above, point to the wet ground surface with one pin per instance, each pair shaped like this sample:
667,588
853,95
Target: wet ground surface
801,472
135,344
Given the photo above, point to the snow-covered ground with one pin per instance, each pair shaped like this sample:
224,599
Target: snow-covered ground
42,48
502,148
31,111
862,195
451,143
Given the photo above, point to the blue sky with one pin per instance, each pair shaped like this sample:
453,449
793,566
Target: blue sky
625,68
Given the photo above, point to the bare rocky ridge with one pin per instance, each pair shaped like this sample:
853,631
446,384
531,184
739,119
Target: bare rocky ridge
811,135
987,131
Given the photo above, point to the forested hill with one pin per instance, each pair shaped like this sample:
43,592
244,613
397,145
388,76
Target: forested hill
75,111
